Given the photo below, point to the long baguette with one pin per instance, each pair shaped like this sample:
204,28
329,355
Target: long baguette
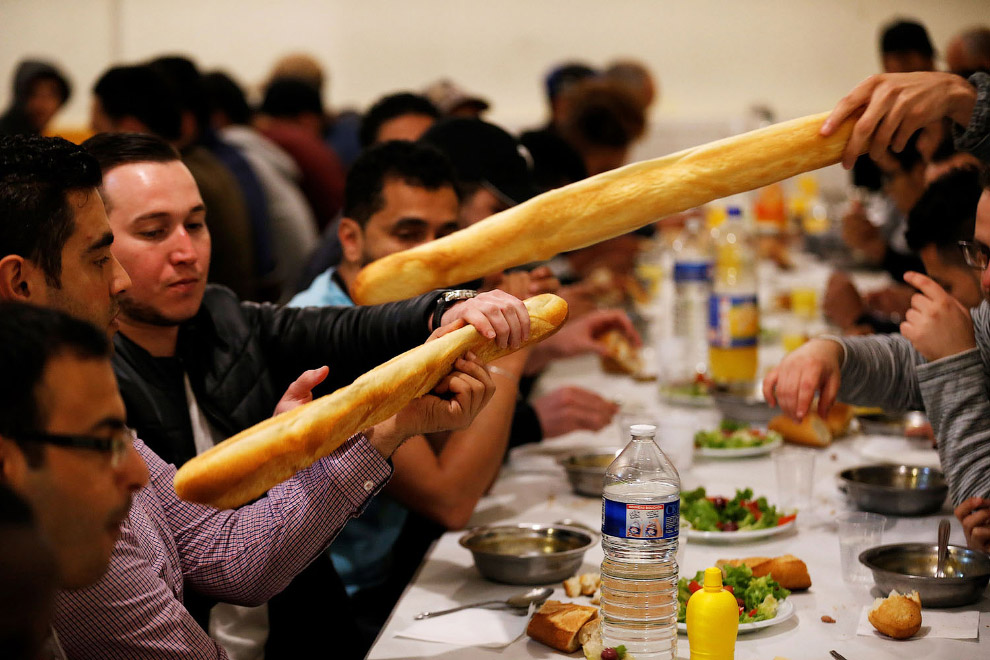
246,465
604,206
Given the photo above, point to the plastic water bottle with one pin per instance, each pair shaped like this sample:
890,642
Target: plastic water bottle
640,525
733,313
687,354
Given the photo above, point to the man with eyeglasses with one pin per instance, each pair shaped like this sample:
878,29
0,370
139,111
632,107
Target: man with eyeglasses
941,359
55,252
63,443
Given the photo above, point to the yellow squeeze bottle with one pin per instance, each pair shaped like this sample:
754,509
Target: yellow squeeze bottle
712,620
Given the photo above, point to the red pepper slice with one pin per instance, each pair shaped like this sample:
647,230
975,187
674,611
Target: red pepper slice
694,586
783,520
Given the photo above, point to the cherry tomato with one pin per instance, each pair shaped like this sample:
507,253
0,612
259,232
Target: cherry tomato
693,586
730,589
742,608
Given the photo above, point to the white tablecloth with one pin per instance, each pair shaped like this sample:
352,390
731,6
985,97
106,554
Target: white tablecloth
533,488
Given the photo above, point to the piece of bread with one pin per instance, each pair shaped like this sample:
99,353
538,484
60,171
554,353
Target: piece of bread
839,416
557,624
620,357
788,570
811,431
897,615
572,586
604,206
256,459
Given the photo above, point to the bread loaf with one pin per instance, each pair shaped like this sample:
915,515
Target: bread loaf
897,615
246,465
811,431
604,206
558,624
620,356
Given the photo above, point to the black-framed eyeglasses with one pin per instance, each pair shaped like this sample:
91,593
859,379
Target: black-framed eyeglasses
976,254
116,445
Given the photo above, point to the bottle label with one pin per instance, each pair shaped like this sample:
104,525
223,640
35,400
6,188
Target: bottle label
692,271
733,320
641,521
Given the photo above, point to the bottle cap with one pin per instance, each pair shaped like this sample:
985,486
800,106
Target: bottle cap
641,430
713,579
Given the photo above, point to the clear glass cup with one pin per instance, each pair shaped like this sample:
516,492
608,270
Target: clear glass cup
858,531
795,471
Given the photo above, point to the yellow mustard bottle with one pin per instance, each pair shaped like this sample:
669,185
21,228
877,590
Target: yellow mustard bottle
712,620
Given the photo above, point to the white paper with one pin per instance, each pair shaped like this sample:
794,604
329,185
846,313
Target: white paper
471,627
934,623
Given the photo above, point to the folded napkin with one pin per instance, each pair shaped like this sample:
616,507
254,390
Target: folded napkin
477,626
934,623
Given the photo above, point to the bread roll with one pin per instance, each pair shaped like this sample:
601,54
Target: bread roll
621,357
811,431
604,206
839,416
245,466
788,570
558,624
897,615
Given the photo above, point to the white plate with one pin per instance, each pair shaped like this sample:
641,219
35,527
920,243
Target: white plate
687,400
785,610
741,536
906,451
739,452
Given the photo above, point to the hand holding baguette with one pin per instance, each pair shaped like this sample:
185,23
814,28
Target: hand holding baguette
604,206
251,462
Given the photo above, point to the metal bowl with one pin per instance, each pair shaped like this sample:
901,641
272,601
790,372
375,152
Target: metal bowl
909,566
749,409
901,490
527,553
586,472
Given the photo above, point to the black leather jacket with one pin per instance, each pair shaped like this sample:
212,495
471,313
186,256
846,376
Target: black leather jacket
241,357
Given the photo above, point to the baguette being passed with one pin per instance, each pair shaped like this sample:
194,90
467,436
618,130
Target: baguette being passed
604,206
246,465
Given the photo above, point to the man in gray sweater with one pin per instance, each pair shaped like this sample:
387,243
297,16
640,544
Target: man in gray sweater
941,359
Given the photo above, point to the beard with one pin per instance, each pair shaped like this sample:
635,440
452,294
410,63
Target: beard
142,313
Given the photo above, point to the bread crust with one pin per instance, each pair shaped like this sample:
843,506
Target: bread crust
248,464
558,624
897,615
604,206
811,431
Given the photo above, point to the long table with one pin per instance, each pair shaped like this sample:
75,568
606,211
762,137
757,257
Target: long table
533,487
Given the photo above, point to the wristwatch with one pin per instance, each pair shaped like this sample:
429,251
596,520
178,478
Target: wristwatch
447,300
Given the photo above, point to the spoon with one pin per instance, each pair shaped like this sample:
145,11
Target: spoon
943,547
534,595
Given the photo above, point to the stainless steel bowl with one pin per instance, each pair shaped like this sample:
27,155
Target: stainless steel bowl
586,472
527,553
901,490
910,566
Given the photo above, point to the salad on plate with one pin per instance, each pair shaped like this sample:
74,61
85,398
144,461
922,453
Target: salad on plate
758,598
735,435
741,513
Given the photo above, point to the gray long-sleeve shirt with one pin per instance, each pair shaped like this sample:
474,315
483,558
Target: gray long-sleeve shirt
886,371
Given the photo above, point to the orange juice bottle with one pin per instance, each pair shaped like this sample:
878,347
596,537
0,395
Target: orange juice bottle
733,312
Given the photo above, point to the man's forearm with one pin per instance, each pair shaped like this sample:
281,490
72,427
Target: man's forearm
879,370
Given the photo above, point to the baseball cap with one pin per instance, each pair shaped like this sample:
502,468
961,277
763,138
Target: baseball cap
484,153
448,96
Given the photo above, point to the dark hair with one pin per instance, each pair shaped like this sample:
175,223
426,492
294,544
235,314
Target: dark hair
905,37
227,96
392,106
115,149
187,86
946,213
291,97
603,114
415,163
36,175
140,92
30,336
909,157
565,77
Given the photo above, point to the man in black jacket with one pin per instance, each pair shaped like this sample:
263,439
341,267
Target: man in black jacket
196,365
